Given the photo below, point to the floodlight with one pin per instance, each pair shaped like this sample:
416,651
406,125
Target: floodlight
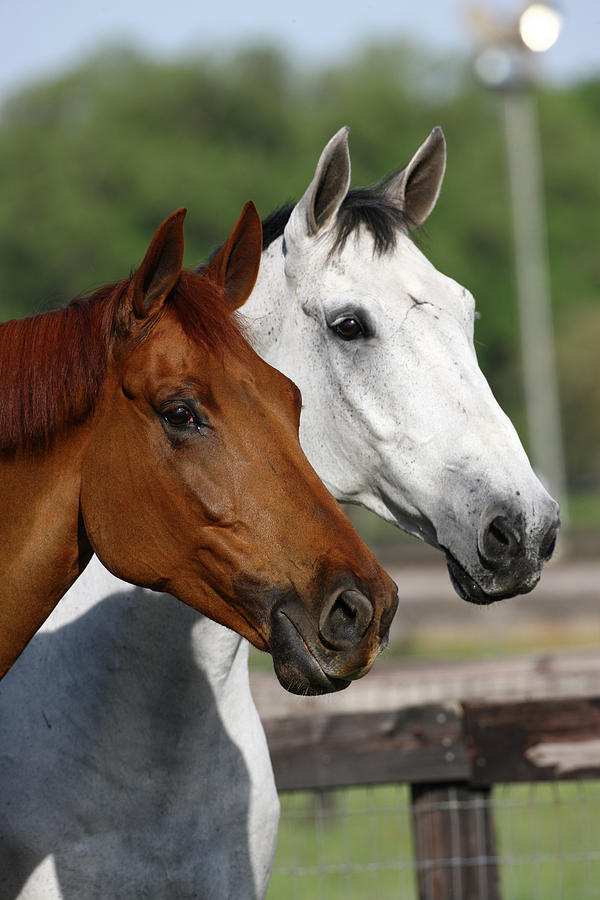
539,26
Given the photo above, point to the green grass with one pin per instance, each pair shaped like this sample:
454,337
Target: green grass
356,844
344,844
551,835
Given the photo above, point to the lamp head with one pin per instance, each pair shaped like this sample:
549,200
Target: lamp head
539,26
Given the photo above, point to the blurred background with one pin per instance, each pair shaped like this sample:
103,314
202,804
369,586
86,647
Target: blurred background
114,114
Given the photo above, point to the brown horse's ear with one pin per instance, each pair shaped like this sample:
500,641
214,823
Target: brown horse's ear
160,268
235,266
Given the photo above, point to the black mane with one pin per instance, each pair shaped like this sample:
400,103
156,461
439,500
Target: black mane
362,206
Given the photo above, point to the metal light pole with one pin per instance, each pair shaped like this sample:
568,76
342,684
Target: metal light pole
535,315
506,64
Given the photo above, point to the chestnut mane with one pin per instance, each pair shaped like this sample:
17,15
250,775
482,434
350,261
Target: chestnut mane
53,365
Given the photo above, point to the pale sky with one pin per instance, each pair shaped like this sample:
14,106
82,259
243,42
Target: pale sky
39,37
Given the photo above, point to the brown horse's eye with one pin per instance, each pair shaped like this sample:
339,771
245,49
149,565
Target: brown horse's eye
178,416
348,329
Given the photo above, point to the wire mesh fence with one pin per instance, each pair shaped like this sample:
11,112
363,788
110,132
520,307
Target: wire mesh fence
344,843
357,844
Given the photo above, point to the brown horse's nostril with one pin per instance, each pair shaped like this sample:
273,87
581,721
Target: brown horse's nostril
345,618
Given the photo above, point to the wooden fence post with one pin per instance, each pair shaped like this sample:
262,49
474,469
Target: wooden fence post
455,847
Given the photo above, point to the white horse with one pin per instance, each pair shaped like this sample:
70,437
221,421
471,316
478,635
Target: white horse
132,761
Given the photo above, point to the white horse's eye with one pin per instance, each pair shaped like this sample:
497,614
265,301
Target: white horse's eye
348,329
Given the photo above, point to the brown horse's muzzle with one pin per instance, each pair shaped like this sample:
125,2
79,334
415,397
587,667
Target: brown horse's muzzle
322,656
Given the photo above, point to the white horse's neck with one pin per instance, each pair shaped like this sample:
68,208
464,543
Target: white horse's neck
265,310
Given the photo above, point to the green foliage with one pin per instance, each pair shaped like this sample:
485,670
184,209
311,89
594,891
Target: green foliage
93,160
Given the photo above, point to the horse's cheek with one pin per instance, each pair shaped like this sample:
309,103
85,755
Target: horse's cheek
106,501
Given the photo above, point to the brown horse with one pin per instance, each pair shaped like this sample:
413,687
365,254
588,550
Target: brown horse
140,425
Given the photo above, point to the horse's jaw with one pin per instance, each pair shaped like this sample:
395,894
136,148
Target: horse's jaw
496,528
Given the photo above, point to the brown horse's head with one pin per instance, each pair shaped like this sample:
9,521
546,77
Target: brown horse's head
194,481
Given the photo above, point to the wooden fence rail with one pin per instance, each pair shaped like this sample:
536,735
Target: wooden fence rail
451,755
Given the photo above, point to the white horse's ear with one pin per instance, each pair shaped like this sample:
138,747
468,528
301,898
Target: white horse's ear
319,206
416,188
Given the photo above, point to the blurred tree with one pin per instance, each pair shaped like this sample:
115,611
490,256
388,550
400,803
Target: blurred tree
93,160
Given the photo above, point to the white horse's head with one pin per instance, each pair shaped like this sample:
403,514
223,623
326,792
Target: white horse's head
397,416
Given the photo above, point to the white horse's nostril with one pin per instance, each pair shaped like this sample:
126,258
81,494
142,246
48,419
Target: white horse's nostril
549,540
500,541
506,536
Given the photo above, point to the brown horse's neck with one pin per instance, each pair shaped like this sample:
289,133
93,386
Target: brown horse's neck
43,542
